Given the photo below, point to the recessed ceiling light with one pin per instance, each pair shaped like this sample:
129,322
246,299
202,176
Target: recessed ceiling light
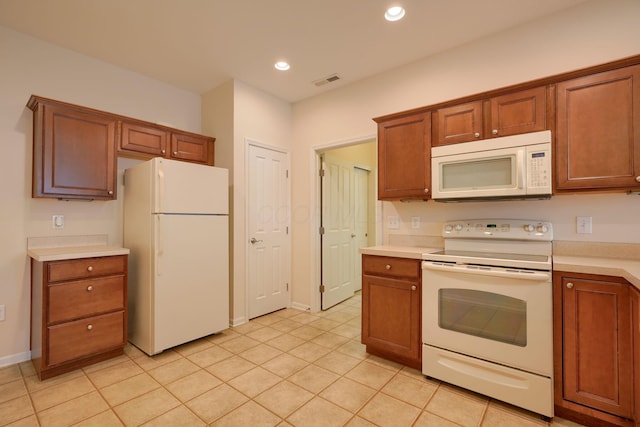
394,13
282,66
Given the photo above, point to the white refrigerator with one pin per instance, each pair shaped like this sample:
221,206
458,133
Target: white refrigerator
176,225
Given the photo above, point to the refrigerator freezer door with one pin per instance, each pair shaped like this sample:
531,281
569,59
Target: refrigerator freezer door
191,288
188,188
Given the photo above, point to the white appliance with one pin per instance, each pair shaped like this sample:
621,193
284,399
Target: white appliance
517,166
487,321
176,225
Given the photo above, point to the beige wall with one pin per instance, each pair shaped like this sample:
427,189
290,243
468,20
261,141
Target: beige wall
29,66
589,34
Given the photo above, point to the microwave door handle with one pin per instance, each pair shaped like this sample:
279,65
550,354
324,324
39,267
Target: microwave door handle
520,167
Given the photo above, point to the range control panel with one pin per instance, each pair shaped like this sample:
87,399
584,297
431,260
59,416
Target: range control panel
512,229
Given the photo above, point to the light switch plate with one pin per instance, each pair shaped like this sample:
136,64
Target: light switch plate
415,222
57,222
584,224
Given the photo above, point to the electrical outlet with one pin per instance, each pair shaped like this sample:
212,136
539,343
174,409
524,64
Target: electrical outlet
2,313
393,222
57,222
415,222
584,224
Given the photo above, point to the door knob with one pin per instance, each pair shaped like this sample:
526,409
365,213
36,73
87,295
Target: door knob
254,240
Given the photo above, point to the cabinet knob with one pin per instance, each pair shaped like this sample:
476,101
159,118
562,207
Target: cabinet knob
163,151
413,287
495,131
388,267
90,268
569,285
89,288
110,192
426,190
175,153
89,327
638,178
477,134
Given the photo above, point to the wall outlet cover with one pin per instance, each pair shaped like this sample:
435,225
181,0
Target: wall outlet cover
393,222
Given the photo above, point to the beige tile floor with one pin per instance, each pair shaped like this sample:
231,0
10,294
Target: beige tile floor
288,368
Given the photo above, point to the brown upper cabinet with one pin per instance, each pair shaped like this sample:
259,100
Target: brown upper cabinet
513,113
144,140
404,150
598,131
74,151
136,137
75,148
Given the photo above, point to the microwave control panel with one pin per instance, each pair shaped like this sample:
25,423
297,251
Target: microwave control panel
539,169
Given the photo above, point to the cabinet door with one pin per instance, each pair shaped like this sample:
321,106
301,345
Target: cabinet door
193,148
635,330
404,165
74,154
391,316
518,112
143,139
460,123
597,353
598,131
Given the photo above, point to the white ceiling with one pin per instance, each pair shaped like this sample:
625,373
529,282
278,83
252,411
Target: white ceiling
198,44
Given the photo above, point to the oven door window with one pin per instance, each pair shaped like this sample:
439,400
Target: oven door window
483,314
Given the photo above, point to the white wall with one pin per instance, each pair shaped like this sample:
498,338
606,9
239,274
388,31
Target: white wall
29,66
591,33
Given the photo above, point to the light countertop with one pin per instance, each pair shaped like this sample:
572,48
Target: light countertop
629,269
71,247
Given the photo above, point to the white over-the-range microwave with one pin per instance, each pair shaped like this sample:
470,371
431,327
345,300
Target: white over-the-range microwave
517,166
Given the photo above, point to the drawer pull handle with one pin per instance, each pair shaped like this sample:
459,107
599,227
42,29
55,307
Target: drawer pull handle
89,288
90,268
388,267
89,327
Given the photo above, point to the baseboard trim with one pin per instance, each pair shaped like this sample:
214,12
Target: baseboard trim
301,307
12,359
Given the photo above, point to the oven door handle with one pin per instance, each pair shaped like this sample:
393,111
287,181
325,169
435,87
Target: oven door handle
488,271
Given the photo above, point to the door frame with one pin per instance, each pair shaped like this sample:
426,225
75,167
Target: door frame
247,246
316,205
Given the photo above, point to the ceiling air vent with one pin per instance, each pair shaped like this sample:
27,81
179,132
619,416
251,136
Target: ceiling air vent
329,79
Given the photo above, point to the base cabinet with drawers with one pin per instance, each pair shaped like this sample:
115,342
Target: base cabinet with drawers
391,308
78,312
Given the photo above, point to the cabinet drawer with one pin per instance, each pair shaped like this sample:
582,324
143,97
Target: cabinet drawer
85,337
390,266
84,298
86,268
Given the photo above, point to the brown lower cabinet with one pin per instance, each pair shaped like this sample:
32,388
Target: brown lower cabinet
78,312
595,331
391,308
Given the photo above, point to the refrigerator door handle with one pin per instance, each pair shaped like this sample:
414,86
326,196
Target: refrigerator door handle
160,195
160,245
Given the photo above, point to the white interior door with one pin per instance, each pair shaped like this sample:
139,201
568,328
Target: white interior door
268,231
338,237
361,201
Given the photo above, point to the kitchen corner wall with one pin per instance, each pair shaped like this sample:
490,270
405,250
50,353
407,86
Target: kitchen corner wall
30,66
590,33
235,112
